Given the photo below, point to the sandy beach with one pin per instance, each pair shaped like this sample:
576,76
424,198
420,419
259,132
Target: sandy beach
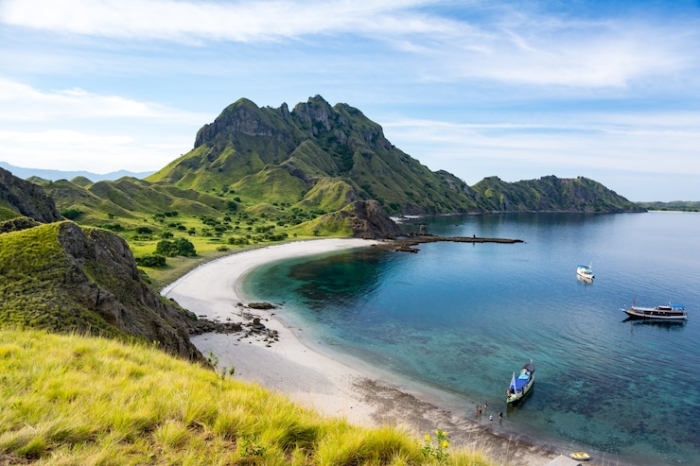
330,383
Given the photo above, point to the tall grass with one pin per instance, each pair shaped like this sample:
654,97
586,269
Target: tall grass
86,400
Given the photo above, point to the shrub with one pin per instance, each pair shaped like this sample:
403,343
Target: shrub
177,247
153,260
71,214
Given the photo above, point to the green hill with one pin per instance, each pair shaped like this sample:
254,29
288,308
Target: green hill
277,155
550,194
64,278
321,157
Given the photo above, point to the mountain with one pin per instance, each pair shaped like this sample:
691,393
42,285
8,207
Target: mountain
550,194
321,157
314,156
53,175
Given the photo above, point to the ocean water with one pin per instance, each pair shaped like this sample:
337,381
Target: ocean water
463,317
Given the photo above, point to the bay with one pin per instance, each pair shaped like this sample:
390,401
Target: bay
463,317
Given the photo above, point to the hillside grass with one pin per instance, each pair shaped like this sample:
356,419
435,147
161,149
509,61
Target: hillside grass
33,294
70,399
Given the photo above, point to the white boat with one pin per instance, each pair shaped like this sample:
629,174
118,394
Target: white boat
675,312
519,386
585,271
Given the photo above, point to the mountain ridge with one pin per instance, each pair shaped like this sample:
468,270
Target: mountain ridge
264,151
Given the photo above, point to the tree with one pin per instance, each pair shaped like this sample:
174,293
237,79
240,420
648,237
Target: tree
177,247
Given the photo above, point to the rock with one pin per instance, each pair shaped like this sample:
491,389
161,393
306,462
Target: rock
27,199
262,306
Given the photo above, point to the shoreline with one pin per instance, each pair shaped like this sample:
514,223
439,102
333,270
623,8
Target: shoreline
333,384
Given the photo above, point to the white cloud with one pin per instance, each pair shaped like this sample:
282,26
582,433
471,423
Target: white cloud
239,21
631,143
19,102
505,45
75,150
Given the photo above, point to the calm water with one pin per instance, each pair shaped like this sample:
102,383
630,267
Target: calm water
463,317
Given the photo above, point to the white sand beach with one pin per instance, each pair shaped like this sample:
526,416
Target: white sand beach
329,383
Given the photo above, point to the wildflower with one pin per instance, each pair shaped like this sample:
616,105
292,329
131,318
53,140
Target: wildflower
445,444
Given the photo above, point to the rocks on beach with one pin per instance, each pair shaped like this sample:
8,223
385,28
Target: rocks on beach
251,327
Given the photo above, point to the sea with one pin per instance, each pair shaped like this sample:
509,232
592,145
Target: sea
461,318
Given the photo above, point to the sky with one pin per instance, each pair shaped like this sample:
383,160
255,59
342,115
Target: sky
608,90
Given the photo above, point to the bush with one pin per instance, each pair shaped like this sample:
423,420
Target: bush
153,260
71,214
177,247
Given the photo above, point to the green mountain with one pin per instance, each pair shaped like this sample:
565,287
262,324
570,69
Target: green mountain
550,194
321,157
315,156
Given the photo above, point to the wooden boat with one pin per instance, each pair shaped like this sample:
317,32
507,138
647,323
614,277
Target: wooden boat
519,386
672,312
585,271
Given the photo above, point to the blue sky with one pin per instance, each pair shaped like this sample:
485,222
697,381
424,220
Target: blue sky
609,90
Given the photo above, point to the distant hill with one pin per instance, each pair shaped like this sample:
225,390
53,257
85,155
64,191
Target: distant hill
53,175
321,157
684,206
20,198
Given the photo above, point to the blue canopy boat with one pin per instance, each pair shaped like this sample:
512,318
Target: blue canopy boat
519,386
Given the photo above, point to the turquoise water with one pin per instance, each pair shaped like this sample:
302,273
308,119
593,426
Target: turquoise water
462,317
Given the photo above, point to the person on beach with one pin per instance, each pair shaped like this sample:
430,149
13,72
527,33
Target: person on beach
490,417
478,410
486,404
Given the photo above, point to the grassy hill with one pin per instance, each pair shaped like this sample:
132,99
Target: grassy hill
70,400
550,194
277,155
64,278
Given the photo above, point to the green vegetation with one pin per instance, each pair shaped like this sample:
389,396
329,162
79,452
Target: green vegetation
79,400
36,289
681,206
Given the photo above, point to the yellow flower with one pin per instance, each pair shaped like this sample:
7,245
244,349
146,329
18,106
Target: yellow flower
445,444
427,437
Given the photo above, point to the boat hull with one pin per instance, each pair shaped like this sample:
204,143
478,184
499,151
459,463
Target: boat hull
520,386
655,314
520,395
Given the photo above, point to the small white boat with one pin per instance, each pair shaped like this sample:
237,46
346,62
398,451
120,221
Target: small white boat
519,386
585,271
675,312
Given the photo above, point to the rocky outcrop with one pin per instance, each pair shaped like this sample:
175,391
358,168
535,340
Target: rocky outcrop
17,224
102,277
27,199
369,221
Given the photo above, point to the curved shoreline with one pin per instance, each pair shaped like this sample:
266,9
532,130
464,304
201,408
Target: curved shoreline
332,384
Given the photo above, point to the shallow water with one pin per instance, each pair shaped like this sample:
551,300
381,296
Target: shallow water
463,317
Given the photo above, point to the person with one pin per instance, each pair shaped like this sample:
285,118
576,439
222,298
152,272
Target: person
486,404
490,417
478,409
500,414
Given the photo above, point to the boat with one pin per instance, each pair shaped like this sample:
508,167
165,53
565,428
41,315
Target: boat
585,271
580,456
519,386
670,312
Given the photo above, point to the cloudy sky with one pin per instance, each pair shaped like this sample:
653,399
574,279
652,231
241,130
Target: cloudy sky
609,90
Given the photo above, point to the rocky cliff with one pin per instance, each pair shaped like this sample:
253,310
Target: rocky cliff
64,278
19,198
